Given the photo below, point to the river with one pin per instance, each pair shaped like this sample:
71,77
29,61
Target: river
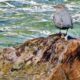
21,20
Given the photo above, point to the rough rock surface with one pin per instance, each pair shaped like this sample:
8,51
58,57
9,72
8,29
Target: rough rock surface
50,58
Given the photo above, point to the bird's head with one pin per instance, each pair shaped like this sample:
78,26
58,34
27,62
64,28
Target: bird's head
59,6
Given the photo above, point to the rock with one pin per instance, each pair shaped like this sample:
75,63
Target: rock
68,63
57,58
10,54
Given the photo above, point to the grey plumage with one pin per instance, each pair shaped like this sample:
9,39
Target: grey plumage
62,18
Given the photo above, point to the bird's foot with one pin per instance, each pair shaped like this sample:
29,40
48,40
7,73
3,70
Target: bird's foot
66,37
62,35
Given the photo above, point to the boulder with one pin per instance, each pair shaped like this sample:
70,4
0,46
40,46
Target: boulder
44,58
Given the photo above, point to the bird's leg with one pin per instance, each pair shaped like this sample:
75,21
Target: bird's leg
66,36
66,31
60,31
60,34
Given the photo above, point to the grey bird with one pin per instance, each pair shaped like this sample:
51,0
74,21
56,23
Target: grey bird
62,19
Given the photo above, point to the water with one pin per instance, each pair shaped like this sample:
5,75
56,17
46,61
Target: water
21,20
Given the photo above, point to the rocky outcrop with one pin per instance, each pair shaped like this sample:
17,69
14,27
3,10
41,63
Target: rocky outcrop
49,58
68,67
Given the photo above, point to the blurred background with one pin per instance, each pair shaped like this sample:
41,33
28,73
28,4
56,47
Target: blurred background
21,20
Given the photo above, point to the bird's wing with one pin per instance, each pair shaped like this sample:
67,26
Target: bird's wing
58,21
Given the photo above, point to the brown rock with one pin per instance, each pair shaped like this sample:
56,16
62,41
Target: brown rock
68,54
57,58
